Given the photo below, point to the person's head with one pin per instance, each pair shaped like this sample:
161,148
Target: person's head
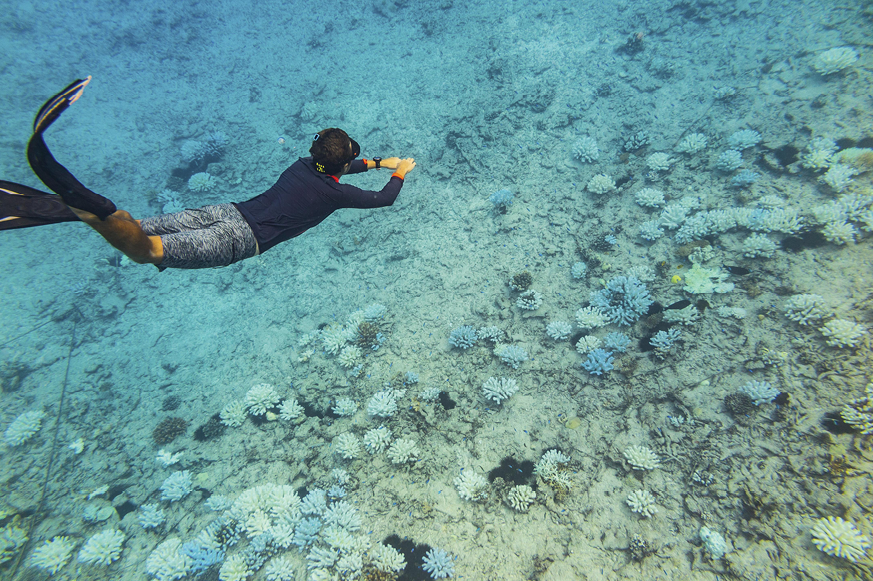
332,149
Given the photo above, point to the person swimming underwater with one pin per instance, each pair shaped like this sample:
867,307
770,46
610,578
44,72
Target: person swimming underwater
305,194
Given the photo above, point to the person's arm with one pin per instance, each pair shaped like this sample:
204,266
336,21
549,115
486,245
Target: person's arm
353,197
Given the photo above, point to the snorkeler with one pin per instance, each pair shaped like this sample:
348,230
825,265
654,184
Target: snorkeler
305,194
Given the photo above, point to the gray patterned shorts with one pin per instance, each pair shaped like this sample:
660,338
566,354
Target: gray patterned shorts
202,237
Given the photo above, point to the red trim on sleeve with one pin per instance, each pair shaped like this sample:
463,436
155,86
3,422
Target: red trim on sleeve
366,163
336,179
396,175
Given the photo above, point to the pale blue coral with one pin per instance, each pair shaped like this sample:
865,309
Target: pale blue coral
599,362
624,300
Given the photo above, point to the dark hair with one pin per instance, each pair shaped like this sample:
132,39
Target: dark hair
330,150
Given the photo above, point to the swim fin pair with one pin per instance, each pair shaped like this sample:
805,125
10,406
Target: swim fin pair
22,206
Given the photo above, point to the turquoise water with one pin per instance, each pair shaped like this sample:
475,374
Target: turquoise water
485,96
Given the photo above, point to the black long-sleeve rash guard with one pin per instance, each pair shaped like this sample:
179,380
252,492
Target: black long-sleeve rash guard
303,197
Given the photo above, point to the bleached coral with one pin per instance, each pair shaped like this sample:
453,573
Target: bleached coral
386,558
587,343
521,497
578,269
651,230
234,568
729,160
177,486
839,232
233,414
383,404
600,184
650,197
529,300
659,161
260,398
334,338
23,427
834,60
700,280
686,316
150,516
377,439
52,555
642,502
586,150
280,568
843,333
166,459
641,458
552,467
167,562
673,216
591,318
102,548
499,389
403,450
692,143
760,391
290,409
350,356
201,182
744,139
819,153
806,308
347,445
559,330
758,245
345,407
471,486
838,176
859,412
714,543
840,538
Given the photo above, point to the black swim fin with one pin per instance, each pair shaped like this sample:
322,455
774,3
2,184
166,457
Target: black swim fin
25,207
53,174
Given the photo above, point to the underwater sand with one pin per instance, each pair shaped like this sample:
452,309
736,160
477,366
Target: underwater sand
484,96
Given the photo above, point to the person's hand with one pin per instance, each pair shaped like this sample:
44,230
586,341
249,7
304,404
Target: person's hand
390,162
405,166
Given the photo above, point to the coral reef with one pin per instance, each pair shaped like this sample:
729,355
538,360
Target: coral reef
760,392
512,355
471,486
834,60
586,150
521,281
843,333
642,502
260,398
168,430
177,486
840,538
641,458
52,555
501,200
439,564
623,301
600,184
499,389
403,450
529,300
599,362
559,330
521,497
463,337
713,542
102,548
23,427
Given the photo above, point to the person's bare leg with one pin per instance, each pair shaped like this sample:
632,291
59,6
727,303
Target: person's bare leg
126,235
